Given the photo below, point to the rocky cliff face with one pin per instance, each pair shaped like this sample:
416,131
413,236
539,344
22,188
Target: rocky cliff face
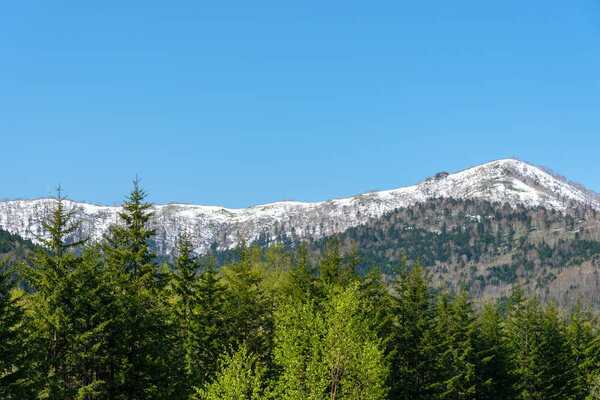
504,181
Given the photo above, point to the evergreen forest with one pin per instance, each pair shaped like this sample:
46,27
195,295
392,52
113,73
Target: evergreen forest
108,319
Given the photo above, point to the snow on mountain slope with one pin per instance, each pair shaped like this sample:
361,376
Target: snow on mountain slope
509,181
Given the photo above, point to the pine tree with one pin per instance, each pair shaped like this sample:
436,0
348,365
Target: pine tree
542,367
584,343
211,319
522,330
351,258
413,357
249,311
15,373
91,313
378,305
184,288
330,266
302,277
440,344
51,272
142,340
127,244
460,351
494,363
555,357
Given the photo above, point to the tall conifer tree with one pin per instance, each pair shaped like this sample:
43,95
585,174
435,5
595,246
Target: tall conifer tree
413,357
496,382
184,286
211,319
142,340
51,272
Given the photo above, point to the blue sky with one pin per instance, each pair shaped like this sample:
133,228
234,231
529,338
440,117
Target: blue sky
242,103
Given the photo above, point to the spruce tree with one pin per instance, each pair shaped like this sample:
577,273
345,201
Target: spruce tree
330,265
441,368
584,343
92,312
211,319
494,359
413,342
15,361
248,309
555,357
302,282
522,332
184,289
142,340
461,351
542,367
127,244
378,305
51,272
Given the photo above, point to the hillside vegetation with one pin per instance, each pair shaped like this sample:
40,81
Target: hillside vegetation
13,248
487,247
107,320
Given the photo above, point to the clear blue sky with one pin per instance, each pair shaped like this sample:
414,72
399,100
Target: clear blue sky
242,103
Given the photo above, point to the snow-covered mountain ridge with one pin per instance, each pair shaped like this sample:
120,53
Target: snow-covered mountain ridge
505,181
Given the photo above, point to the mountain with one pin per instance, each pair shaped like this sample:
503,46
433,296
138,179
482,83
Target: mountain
217,228
485,247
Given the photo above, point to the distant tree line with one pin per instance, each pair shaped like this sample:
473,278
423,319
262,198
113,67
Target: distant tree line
107,320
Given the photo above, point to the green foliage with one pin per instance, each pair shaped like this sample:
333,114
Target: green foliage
240,377
127,244
459,356
413,351
54,271
585,348
14,358
107,321
211,320
184,291
299,351
248,307
354,360
542,365
494,356
302,281
484,245
142,338
329,353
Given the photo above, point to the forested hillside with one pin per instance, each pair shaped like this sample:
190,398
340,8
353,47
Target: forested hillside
484,247
13,247
107,320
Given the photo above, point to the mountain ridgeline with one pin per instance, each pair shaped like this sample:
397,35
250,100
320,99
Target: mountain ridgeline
484,228
218,228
